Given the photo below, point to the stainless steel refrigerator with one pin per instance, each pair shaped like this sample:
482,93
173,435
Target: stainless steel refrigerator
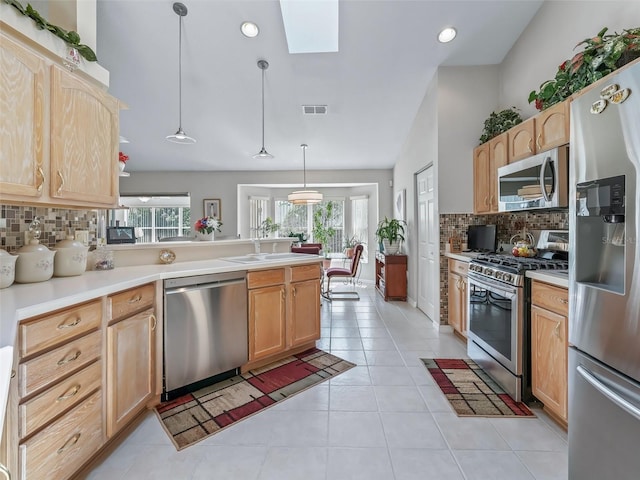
604,276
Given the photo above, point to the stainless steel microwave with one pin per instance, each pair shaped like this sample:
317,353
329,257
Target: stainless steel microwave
537,182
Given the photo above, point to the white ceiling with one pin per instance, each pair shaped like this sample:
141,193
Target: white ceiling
373,86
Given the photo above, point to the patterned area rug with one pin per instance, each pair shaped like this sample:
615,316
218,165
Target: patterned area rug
470,391
197,415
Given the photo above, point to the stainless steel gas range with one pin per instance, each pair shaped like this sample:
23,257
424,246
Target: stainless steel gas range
498,315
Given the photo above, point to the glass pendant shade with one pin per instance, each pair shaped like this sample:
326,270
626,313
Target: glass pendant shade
180,137
304,197
263,154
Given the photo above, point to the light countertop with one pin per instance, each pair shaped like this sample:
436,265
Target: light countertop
551,277
462,256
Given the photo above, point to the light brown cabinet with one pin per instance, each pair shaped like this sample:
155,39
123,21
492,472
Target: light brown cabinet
549,348
284,312
391,276
548,129
458,296
481,179
59,135
498,157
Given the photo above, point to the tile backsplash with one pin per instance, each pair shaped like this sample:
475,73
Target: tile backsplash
15,220
507,225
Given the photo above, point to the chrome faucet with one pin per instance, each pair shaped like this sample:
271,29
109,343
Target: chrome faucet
256,243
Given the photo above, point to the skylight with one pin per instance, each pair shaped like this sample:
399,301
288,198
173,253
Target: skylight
311,26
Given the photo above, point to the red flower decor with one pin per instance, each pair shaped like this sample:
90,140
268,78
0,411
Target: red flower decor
122,157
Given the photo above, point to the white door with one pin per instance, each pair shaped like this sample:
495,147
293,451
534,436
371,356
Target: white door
427,242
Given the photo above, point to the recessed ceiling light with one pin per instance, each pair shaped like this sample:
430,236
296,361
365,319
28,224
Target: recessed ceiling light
249,29
447,34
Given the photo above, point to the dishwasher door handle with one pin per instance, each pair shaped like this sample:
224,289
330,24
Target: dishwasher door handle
202,286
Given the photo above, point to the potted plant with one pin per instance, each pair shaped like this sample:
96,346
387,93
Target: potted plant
390,233
500,122
601,55
323,232
268,226
350,245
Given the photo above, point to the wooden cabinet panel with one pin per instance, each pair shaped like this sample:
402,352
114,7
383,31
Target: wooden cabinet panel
41,409
265,278
305,272
552,126
458,296
549,360
56,328
498,157
22,103
47,368
391,276
133,300
481,179
267,321
84,141
130,368
62,447
304,321
521,140
550,297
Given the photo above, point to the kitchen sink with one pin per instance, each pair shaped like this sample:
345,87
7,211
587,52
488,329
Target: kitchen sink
265,257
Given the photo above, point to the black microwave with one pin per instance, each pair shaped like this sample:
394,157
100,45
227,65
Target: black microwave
121,235
537,182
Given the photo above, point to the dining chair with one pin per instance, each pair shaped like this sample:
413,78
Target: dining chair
340,272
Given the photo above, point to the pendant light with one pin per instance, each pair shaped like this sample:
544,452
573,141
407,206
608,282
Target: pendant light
305,197
180,136
263,65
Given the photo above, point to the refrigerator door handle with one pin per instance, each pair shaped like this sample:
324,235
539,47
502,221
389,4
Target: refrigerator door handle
615,397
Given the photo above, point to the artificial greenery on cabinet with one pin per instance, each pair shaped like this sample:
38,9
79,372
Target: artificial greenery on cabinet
499,122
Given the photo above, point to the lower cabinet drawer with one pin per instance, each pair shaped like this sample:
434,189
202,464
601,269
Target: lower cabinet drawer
62,447
49,367
55,400
305,272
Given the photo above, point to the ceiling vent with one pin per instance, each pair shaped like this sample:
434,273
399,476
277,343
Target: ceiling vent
314,109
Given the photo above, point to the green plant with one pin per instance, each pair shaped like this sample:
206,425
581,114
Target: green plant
390,229
351,242
500,122
71,38
324,218
601,55
268,226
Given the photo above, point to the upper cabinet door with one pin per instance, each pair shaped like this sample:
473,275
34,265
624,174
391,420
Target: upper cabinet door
22,103
498,155
521,140
481,179
84,141
552,127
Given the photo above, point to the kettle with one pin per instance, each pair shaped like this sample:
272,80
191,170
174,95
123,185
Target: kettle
523,245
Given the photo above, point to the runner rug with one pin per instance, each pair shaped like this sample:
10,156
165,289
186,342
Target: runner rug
197,415
470,391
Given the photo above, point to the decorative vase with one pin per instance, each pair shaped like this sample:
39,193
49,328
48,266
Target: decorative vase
204,237
390,248
122,165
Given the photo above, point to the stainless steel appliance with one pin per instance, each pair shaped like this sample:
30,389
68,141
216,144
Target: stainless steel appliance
604,281
205,330
540,181
498,317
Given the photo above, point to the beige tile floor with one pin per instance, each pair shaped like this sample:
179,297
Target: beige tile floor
384,419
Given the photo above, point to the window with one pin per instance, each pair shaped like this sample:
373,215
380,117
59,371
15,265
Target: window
360,222
156,218
258,213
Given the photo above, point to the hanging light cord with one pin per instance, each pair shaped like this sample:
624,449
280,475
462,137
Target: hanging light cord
263,108
180,73
304,165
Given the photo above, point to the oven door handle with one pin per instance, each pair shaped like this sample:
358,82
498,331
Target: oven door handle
492,287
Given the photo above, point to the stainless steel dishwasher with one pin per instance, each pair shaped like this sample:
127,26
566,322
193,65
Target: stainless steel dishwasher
205,330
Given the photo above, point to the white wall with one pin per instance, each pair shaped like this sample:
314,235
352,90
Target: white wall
550,38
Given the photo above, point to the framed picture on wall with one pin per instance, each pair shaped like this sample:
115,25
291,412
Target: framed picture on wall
213,208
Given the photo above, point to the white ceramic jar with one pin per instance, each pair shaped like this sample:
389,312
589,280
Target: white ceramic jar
71,258
35,263
7,268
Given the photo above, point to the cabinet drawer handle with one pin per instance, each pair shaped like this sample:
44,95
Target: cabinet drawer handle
13,373
293,290
64,325
61,182
155,322
69,393
564,301
72,358
556,331
69,443
538,141
135,299
42,179
529,145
